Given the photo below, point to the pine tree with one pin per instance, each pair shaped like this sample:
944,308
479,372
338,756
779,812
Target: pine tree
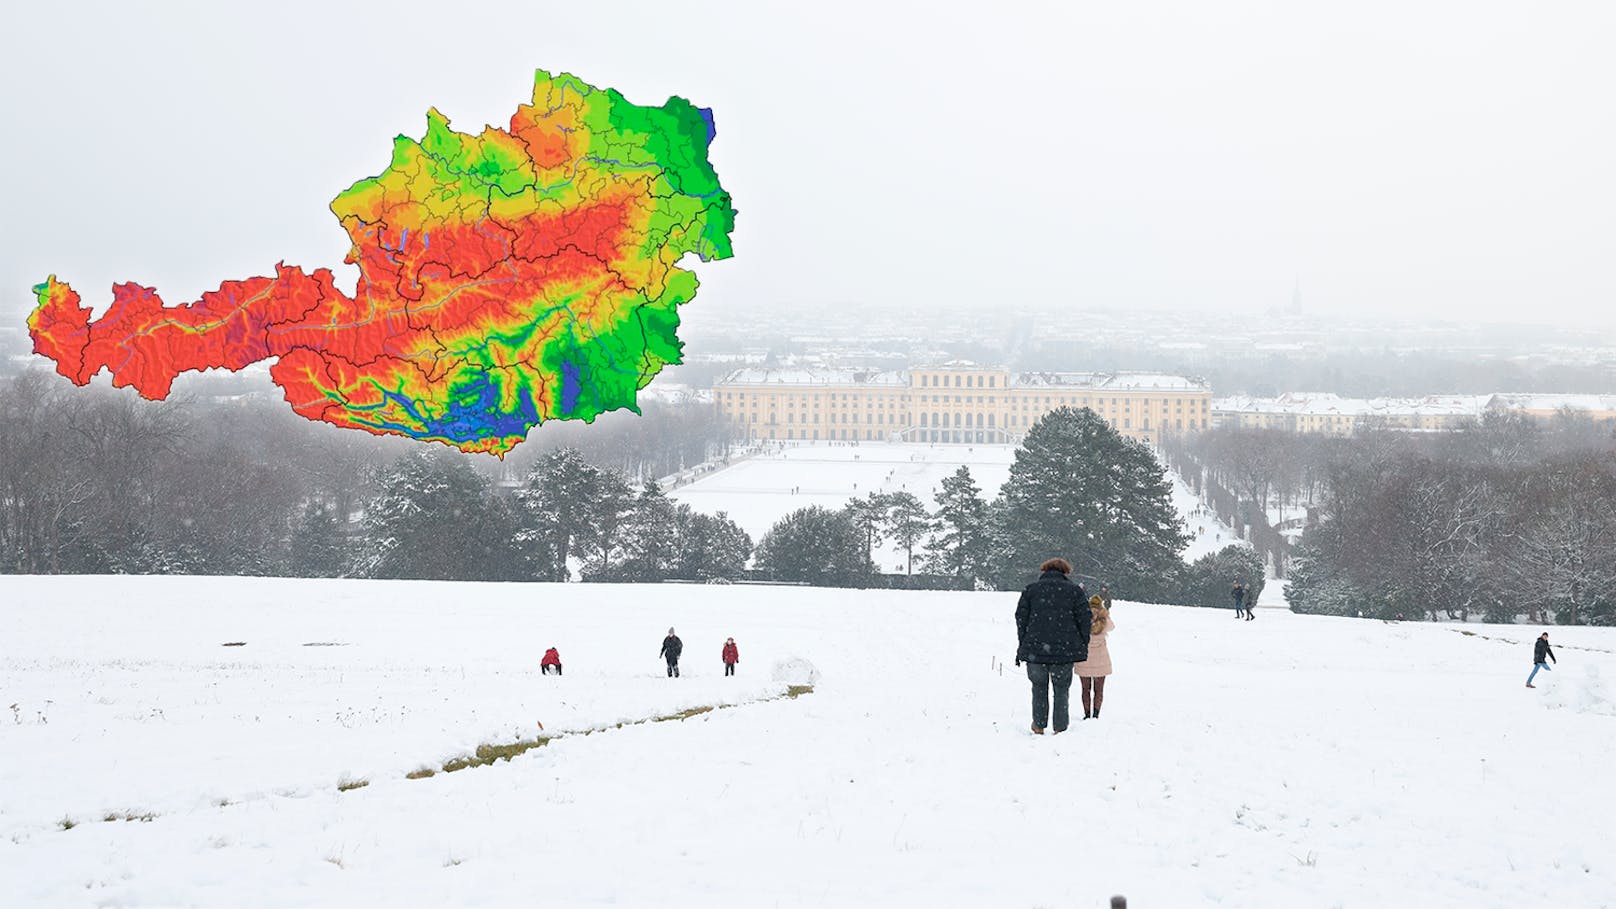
611,508
960,548
650,541
907,524
708,546
817,546
1080,490
1209,579
869,515
433,518
556,513
317,546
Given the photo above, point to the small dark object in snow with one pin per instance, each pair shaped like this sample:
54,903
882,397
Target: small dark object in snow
325,644
234,644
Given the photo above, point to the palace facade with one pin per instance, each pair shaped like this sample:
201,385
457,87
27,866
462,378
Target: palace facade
955,402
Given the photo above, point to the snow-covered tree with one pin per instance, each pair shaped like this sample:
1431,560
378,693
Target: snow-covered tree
908,524
960,547
1080,490
817,546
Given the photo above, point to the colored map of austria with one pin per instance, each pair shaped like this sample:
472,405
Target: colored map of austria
504,279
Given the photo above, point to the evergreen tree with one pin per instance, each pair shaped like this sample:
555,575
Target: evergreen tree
650,541
869,515
1080,490
433,518
960,549
708,546
907,524
318,547
817,546
556,513
1209,579
610,506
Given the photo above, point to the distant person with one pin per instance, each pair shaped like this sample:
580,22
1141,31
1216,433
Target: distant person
1105,596
1237,592
671,648
1541,654
732,655
1052,634
551,662
1092,672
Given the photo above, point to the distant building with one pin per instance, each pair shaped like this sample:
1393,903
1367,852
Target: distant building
954,402
1598,407
1330,414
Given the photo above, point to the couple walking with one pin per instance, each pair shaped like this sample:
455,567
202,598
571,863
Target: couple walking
1061,632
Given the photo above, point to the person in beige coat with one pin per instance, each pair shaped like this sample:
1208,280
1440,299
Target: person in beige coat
1093,671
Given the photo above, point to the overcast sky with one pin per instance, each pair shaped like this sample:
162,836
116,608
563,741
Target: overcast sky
1451,160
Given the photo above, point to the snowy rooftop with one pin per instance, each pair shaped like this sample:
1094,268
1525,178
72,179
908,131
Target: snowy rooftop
1100,381
757,376
1121,381
1542,402
1329,404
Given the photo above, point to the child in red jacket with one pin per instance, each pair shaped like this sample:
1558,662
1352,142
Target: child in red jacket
552,660
731,656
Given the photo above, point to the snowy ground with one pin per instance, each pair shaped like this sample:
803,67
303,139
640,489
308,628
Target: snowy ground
760,490
1290,761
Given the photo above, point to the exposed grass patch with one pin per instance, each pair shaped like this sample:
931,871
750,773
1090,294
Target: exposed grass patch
67,823
325,644
489,753
234,644
685,714
142,816
346,785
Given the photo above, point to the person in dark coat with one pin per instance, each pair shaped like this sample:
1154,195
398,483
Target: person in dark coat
1052,632
1237,592
551,662
732,655
1541,655
671,648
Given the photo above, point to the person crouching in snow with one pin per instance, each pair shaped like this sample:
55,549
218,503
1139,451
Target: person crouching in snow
1541,654
551,661
671,648
1052,633
732,655
1093,671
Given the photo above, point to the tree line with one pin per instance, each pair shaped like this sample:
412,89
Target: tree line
99,481
1507,518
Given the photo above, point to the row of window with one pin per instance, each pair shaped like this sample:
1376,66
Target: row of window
935,433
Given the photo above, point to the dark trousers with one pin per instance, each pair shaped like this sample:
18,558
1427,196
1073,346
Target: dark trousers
673,667
1043,676
549,666
729,668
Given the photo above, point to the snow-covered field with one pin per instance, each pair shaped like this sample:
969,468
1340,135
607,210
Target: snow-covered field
1290,761
761,489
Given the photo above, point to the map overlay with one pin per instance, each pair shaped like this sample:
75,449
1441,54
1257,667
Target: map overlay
505,279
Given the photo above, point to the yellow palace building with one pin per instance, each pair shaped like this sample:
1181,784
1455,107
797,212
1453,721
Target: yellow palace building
957,402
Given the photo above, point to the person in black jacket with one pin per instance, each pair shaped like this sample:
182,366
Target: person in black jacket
1237,592
671,648
1541,654
1052,632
